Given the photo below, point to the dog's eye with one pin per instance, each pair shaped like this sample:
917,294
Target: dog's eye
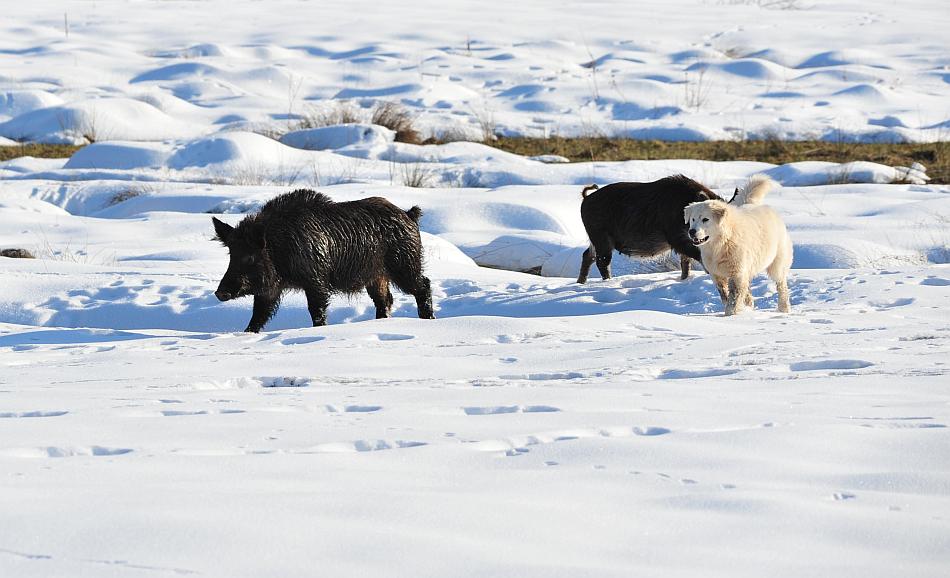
705,220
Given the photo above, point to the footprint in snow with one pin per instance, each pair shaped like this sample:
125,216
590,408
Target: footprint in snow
302,340
694,373
354,408
393,337
885,305
829,364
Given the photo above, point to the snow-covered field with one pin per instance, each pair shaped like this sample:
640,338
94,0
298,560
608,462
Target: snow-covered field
537,427
671,69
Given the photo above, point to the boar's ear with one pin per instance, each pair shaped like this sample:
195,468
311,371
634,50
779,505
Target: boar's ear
255,238
222,230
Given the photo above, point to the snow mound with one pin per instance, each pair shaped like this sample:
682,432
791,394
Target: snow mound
17,102
235,148
95,120
340,136
748,68
119,155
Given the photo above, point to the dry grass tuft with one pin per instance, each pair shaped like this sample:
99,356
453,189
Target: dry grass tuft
396,118
37,150
935,156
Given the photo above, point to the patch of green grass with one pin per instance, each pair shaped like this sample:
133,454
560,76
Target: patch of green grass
935,156
37,150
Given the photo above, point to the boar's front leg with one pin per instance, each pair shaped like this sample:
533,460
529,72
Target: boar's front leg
317,302
264,308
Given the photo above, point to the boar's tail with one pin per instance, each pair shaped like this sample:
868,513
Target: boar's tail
414,213
591,187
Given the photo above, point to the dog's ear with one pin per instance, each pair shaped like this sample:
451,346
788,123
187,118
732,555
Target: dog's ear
718,209
688,211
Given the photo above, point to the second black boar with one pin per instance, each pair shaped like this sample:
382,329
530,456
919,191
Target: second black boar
303,240
639,219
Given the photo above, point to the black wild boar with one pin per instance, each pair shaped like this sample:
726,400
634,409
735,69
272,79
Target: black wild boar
639,219
303,240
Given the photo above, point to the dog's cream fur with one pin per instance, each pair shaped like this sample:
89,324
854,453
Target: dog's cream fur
739,241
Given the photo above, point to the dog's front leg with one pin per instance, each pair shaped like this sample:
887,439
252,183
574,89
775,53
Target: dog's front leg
722,288
736,296
739,295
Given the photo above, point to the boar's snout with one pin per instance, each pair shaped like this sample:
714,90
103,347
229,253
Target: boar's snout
223,295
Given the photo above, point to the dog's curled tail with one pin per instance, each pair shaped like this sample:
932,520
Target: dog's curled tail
414,213
590,187
755,190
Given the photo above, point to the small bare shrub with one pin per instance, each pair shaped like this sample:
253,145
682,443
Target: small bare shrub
396,118
416,175
696,89
259,174
340,112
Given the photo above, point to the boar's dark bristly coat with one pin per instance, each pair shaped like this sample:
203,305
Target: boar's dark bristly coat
303,240
639,219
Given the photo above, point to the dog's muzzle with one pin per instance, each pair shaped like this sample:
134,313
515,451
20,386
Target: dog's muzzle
698,242
223,295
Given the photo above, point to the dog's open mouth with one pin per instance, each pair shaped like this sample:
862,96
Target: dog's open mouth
699,241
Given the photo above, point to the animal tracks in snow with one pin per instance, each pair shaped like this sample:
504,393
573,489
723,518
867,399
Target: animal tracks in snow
694,373
353,408
898,422
185,413
23,414
501,409
518,445
63,451
339,447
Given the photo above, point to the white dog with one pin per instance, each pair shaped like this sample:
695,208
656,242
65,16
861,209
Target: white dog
739,241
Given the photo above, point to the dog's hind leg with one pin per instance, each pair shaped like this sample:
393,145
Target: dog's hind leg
778,271
780,276
586,261
783,303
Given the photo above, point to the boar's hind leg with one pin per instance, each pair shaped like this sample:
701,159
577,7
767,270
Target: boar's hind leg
420,288
684,266
423,295
317,302
587,259
383,300
264,308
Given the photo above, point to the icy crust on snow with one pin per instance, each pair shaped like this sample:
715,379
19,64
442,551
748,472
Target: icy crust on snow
681,70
